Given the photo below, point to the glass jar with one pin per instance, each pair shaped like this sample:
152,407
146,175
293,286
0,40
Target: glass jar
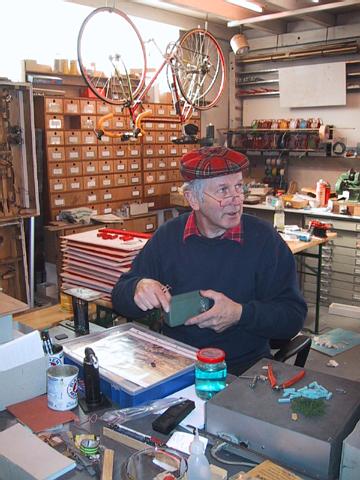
210,372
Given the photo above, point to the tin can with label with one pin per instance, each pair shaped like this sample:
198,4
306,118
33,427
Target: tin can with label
57,357
62,386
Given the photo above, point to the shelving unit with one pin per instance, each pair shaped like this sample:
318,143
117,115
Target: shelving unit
255,83
353,76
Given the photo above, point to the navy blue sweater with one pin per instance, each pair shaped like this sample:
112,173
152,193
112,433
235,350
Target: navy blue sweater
259,273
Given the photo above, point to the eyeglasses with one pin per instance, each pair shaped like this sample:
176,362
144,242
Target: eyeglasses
227,199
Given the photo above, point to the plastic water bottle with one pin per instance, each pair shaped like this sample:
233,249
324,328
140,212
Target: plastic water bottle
198,465
279,215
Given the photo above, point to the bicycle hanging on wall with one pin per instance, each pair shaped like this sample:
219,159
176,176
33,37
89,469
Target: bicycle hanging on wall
195,69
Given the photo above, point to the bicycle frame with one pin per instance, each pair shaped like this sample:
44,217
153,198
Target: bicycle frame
183,111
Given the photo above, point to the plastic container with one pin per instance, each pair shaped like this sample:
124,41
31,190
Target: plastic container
210,372
198,465
279,215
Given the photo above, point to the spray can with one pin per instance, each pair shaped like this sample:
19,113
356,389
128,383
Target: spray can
321,192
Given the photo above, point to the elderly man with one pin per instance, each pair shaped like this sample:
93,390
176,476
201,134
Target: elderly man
235,259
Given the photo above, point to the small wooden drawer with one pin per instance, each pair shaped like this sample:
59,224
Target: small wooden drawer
56,170
105,152
161,110
106,140
90,168
195,114
174,126
74,169
135,178
91,182
73,154
172,112
151,190
161,150
149,177
117,109
149,164
103,108
56,154
106,166
106,181
95,209
121,179
54,122
161,177
54,105
149,150
149,107
149,137
88,107
89,153
65,200
160,125
71,106
120,166
119,123
173,163
184,149
74,184
173,150
173,135
134,150
106,208
148,126
174,187
92,196
161,137
136,192
57,185
134,165
106,195
72,137
173,175
88,121
120,151
54,137
88,138
161,163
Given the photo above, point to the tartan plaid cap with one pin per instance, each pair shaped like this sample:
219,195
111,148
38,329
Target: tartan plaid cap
209,162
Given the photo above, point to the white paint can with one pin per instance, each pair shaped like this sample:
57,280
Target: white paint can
62,386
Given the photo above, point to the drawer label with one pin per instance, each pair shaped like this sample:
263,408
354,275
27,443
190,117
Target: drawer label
90,169
57,171
161,126
135,193
89,109
162,164
134,166
72,108
105,168
75,185
120,166
105,139
149,226
134,180
173,164
56,156
149,165
150,178
121,181
74,155
55,123
58,186
91,183
89,139
150,191
119,124
149,151
90,154
59,201
74,170
74,139
161,139
91,198
55,140
120,153
162,178
107,196
134,152
174,189
106,182
108,210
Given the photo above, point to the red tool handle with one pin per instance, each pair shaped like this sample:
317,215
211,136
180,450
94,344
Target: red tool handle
293,380
271,376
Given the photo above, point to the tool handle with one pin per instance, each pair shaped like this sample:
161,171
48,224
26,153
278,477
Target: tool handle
293,380
271,376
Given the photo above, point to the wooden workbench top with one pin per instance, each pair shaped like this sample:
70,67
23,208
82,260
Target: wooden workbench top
10,305
41,318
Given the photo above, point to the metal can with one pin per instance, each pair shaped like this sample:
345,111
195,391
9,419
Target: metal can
210,372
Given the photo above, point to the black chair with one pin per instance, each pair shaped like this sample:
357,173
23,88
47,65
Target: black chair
299,346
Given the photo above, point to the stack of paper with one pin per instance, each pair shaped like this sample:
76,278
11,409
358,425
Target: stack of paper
95,262
24,455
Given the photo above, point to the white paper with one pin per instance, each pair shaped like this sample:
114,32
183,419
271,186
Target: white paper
181,441
21,350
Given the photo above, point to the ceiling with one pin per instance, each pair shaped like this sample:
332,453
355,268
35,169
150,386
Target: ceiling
274,19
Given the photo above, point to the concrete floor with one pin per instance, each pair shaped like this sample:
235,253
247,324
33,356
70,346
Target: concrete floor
349,361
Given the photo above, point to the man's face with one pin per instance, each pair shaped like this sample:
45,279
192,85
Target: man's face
222,205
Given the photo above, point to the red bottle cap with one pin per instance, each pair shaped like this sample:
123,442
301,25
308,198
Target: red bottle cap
211,355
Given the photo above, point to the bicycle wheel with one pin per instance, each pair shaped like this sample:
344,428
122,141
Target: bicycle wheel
199,68
111,56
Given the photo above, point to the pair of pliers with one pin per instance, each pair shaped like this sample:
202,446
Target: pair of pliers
273,380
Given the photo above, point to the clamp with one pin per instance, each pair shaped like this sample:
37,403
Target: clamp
273,380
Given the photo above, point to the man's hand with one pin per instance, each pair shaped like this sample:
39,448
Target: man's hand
224,313
151,294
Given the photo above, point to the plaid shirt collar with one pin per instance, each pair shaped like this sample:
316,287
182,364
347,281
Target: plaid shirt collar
191,228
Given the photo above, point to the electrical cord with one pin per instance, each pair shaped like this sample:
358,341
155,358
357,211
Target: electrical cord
219,446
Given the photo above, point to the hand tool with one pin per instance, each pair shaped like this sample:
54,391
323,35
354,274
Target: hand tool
291,381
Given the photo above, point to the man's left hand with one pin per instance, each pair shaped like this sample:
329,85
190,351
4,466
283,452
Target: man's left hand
223,314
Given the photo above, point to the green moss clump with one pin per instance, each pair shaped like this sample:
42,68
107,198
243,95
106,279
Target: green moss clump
308,407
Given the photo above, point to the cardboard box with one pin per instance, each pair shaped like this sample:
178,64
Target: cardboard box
352,208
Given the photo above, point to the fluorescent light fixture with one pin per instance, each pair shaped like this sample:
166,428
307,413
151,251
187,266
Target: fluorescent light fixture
246,4
239,44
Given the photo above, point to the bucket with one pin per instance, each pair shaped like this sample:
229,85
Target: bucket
62,387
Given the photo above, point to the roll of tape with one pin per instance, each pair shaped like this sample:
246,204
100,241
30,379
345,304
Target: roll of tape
324,133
